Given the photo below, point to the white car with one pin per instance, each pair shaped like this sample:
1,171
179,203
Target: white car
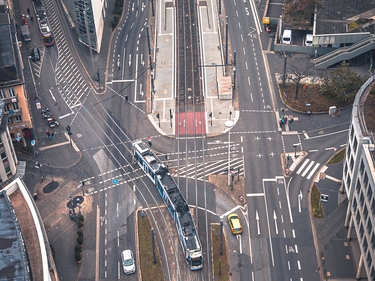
128,262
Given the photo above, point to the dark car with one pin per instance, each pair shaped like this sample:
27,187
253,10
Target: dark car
53,123
35,54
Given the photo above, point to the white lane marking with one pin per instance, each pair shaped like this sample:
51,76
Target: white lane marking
299,265
254,194
293,233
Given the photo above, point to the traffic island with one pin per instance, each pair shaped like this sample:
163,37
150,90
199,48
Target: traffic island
219,253
236,190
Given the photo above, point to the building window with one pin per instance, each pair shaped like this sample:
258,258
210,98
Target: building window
373,240
345,168
348,150
369,192
362,167
11,92
373,207
355,144
365,212
6,107
352,132
361,199
15,106
2,94
7,170
368,259
358,186
369,225
19,118
365,180
348,180
365,245
10,120
351,163
3,156
361,230
358,217
354,203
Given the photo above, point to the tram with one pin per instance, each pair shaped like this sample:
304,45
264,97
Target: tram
174,200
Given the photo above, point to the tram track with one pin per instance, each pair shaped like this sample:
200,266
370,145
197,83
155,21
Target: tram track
189,102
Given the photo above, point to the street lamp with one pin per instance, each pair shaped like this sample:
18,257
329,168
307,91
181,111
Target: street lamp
295,149
229,124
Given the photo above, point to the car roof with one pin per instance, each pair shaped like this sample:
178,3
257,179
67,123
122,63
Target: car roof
127,254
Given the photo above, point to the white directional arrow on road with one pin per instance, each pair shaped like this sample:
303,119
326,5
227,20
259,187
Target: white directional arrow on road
140,90
133,7
257,219
142,61
300,196
130,59
275,218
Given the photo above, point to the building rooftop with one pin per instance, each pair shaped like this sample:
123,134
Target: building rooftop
335,15
9,66
24,249
13,257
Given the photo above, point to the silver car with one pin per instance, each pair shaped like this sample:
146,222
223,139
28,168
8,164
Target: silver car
128,262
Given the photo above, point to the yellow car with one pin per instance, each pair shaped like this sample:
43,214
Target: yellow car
235,224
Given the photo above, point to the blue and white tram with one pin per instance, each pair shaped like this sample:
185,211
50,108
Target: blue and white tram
174,200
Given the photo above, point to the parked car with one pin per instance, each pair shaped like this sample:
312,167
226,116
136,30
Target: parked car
235,223
35,54
52,122
128,261
287,37
308,40
46,113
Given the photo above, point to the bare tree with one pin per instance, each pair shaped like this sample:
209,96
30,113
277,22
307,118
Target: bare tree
298,73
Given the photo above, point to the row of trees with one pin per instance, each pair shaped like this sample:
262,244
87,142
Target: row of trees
78,247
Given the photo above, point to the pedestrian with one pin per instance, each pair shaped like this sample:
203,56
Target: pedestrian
53,135
47,133
28,11
31,18
126,99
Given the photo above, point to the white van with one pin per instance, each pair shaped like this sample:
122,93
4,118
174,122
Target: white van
287,37
308,39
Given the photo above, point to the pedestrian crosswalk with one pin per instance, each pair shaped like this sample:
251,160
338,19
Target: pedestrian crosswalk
308,168
201,171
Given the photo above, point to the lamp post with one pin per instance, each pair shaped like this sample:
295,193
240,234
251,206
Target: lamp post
295,149
229,124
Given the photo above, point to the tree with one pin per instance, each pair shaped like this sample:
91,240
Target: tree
80,233
78,248
299,72
78,257
342,84
80,240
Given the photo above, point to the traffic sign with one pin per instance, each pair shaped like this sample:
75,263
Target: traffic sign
33,142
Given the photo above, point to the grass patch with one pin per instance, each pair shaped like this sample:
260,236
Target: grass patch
315,201
338,157
220,262
150,271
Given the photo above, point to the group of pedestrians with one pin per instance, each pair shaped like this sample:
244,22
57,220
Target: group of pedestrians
50,135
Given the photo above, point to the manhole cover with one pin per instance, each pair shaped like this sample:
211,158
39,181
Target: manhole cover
50,187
